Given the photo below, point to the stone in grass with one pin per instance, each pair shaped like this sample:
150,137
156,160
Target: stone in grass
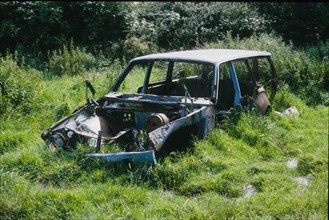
302,180
249,191
292,163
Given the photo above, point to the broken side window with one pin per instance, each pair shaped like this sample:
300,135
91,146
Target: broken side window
225,88
159,72
265,74
157,82
134,79
195,77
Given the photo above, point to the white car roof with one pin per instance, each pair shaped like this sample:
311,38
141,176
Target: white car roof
215,56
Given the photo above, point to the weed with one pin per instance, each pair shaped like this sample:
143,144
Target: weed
70,61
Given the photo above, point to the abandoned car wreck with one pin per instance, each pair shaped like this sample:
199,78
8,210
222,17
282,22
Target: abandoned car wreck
159,99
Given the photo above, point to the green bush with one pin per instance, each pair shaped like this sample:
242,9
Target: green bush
134,47
42,26
320,51
172,25
71,60
304,24
18,86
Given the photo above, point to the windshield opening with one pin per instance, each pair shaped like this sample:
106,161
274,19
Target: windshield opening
169,78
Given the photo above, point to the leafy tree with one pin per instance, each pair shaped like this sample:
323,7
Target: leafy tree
41,26
302,23
126,29
97,23
37,26
186,24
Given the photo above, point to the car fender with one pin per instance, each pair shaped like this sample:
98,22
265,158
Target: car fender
204,118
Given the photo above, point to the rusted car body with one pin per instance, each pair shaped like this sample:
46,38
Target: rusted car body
160,99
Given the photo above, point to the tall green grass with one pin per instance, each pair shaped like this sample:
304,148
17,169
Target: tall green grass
207,181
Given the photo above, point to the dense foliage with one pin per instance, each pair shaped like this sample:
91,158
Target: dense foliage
304,24
36,27
187,24
40,26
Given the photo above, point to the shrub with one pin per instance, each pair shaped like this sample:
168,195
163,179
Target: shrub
134,47
185,24
18,86
70,60
320,51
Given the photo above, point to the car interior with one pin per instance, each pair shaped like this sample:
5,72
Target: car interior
198,83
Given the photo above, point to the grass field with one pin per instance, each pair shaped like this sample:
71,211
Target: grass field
250,167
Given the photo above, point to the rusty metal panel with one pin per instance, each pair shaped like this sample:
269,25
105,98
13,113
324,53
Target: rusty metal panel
135,157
